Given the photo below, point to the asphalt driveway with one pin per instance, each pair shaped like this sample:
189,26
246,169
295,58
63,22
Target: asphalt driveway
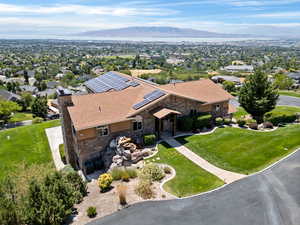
269,198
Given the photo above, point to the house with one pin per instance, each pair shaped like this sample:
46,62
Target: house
121,105
222,78
239,68
52,84
295,76
28,88
9,96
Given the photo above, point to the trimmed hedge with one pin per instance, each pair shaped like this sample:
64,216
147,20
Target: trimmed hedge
241,123
278,117
219,121
203,121
185,123
189,123
149,139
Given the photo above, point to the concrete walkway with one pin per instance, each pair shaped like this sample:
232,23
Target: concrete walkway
226,176
55,138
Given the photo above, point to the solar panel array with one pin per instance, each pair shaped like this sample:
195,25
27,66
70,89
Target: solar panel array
149,98
109,81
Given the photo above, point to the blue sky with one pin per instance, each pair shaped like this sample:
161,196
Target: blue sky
225,16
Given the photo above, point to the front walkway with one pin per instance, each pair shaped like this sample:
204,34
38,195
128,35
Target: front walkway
226,176
55,138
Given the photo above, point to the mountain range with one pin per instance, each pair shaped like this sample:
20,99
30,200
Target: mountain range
159,32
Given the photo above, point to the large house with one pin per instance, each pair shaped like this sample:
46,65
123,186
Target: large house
121,105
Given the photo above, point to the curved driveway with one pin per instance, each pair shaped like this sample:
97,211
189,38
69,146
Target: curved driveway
269,198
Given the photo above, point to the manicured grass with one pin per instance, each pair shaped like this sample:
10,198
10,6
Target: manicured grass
190,179
290,93
279,109
28,144
244,151
18,117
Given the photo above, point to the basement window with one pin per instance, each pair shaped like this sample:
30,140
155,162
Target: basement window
103,130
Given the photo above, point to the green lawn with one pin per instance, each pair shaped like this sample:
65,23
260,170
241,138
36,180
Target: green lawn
244,151
190,179
279,109
18,117
290,93
27,144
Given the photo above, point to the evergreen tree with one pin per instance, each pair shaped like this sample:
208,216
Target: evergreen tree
258,95
39,107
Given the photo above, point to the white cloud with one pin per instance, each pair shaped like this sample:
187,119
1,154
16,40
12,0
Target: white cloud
84,9
278,15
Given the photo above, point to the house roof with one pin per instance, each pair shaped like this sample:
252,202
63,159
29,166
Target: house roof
114,106
9,96
164,112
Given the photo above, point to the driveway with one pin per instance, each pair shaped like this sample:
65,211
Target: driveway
269,198
283,100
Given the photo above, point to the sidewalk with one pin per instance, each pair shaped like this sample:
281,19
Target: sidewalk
226,176
55,138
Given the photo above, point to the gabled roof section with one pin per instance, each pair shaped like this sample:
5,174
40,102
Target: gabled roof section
201,90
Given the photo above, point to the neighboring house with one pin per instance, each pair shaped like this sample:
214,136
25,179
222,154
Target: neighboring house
28,88
239,68
19,80
121,105
222,78
295,76
9,96
46,92
52,84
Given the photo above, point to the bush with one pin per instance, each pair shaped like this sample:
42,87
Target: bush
125,177
253,126
149,139
122,194
104,181
77,185
37,120
241,123
91,212
203,121
144,189
167,170
219,121
132,173
268,125
279,117
117,173
249,121
227,121
152,172
185,123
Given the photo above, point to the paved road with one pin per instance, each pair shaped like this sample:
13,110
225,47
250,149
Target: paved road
283,100
269,198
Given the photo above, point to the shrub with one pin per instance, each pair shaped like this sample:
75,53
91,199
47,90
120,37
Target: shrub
149,139
167,170
144,189
249,121
152,172
122,194
117,173
77,185
185,123
241,123
253,126
132,173
91,212
227,121
104,181
37,120
203,121
279,117
219,121
125,177
268,125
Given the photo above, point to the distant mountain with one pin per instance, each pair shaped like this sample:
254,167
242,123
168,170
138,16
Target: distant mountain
158,32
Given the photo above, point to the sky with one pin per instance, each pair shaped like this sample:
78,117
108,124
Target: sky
64,17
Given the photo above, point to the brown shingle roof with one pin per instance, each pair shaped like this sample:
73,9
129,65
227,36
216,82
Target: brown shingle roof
110,107
201,90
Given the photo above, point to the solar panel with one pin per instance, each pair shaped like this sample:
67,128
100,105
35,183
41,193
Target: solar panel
141,104
116,76
155,94
133,83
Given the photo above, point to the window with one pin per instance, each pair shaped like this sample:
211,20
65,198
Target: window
103,130
217,107
193,112
137,125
